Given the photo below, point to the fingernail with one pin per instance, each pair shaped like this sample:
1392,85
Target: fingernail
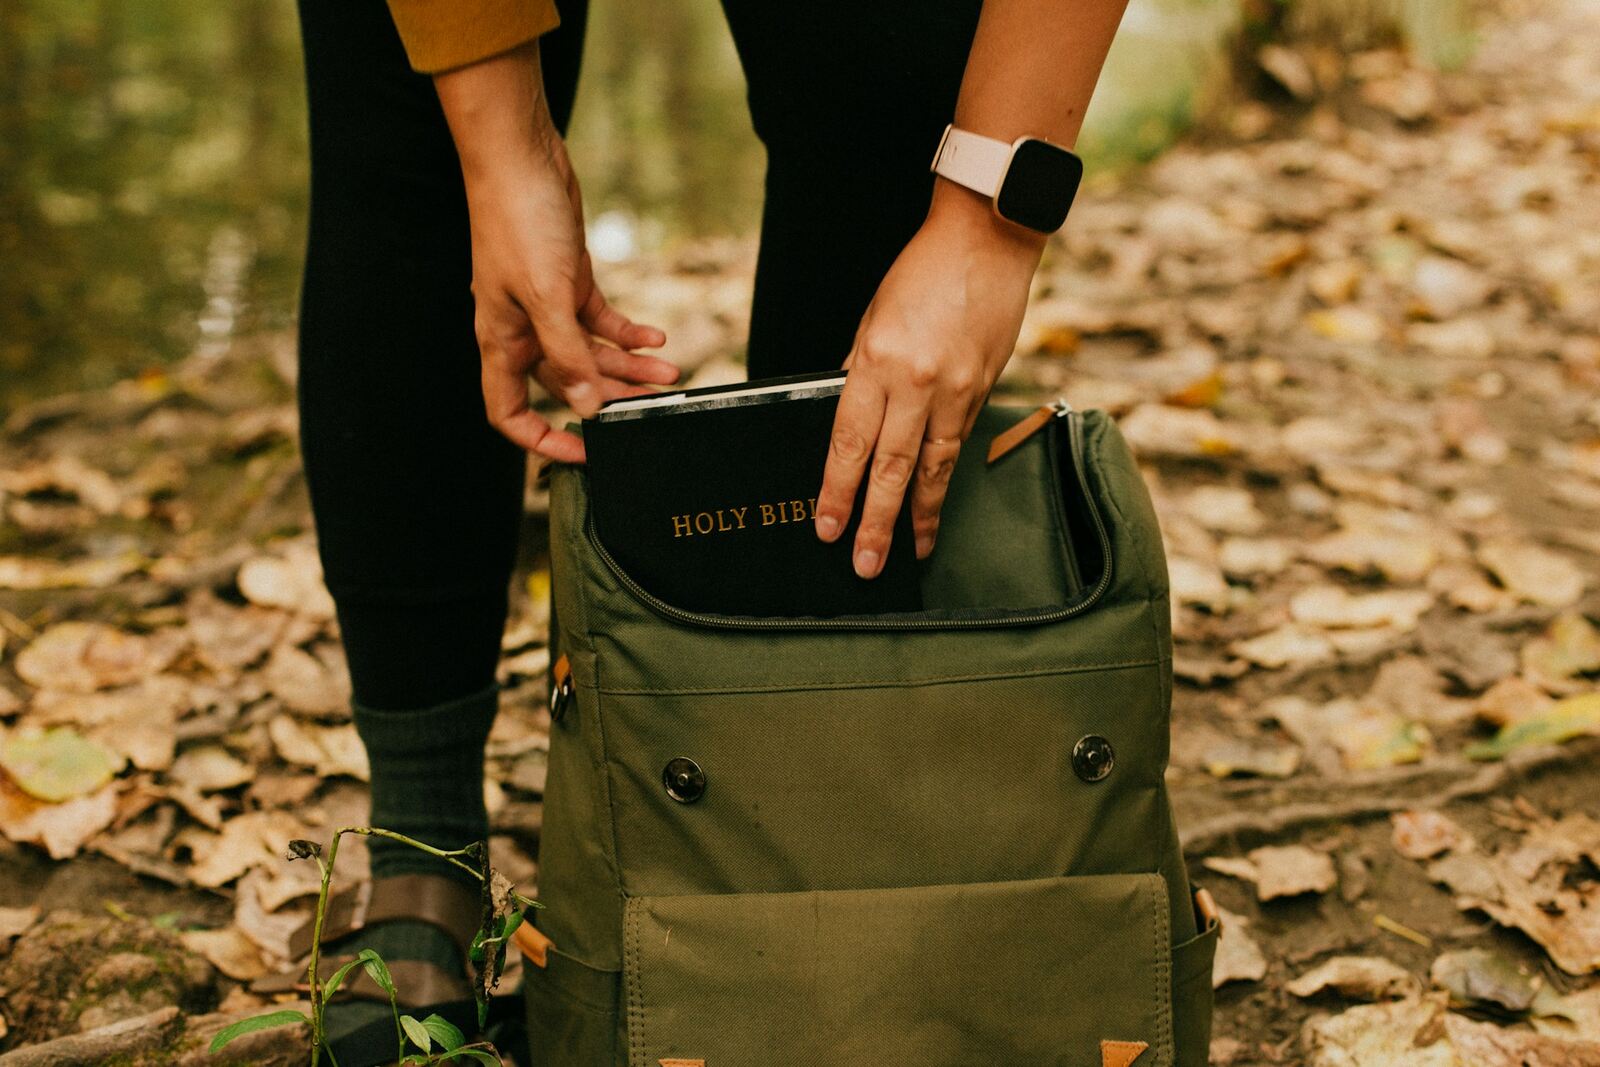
867,563
924,547
827,527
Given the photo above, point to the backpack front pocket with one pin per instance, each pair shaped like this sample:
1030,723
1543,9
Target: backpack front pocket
1057,971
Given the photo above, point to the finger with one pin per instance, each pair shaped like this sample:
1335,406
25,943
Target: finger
855,428
605,321
505,388
935,463
563,446
894,461
573,374
630,367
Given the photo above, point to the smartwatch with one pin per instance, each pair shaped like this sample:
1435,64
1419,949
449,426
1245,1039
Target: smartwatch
1030,182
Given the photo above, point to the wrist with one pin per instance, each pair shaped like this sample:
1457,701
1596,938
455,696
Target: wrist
969,218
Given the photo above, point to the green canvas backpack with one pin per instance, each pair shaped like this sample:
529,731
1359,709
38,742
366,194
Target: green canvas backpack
939,838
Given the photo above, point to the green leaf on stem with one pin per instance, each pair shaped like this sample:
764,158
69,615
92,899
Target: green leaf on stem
378,970
257,1022
418,1033
444,1033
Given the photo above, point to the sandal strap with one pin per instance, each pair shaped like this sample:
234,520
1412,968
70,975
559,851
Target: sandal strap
453,907
418,983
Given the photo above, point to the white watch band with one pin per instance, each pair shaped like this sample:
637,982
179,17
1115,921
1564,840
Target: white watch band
972,160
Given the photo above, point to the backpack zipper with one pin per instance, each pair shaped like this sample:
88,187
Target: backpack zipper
1060,409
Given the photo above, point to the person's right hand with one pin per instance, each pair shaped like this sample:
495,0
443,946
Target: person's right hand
539,311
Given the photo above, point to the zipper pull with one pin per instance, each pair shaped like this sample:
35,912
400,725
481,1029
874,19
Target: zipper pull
1027,427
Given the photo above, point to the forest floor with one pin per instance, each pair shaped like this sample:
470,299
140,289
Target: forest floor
1352,337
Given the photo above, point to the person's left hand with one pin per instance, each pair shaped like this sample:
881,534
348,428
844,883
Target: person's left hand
930,346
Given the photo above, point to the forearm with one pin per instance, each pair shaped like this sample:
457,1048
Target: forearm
1031,71
496,110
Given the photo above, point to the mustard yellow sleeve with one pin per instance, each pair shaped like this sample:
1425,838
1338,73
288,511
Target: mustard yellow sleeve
441,35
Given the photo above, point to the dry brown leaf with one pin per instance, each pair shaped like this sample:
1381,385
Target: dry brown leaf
290,580
1347,323
1290,870
229,952
1356,978
228,638
1512,700
1478,978
1442,288
65,476
1464,586
138,721
1414,689
1569,646
82,657
1333,607
1409,96
1165,430
31,572
1224,509
1494,1046
1533,573
1249,557
1399,1033
1336,282
267,930
305,683
1564,919
1195,582
254,839
1239,958
1401,557
1420,835
330,750
62,829
208,768
1369,737
1285,646
14,922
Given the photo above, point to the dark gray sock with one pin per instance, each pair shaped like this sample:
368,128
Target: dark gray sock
427,780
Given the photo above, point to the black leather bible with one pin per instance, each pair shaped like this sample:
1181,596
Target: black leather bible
705,498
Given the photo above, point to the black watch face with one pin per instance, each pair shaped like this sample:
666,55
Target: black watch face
1039,187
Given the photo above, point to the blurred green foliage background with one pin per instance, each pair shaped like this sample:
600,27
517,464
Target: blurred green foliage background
153,163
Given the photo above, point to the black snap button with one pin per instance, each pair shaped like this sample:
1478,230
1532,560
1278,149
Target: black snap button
1092,757
684,779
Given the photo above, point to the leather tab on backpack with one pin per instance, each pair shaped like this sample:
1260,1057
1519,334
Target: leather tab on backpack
560,687
1121,1053
532,943
1026,428
682,1063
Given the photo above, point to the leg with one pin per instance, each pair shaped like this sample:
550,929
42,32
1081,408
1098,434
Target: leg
417,500
850,99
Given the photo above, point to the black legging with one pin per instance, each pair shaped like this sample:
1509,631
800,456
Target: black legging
416,498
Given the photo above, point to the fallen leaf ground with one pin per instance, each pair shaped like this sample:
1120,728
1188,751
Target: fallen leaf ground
1354,342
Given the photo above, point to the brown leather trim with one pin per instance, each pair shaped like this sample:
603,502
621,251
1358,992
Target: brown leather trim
345,914
1024,429
1121,1053
681,1063
454,907
1206,908
532,943
418,983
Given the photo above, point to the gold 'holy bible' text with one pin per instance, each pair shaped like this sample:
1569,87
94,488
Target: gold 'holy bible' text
751,516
